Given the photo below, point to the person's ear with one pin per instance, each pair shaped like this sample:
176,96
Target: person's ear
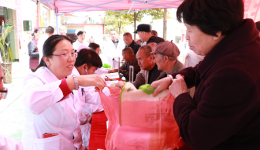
166,58
151,57
85,66
47,61
219,33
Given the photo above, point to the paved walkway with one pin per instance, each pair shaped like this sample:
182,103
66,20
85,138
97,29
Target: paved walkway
11,109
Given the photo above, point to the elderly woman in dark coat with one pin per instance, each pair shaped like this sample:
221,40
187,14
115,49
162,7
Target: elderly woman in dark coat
224,113
33,50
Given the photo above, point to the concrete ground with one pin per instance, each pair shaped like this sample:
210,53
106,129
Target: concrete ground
12,108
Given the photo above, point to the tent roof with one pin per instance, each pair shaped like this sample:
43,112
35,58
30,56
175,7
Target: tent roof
68,6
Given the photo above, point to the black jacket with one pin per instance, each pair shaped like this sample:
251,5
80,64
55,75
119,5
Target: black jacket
126,65
135,46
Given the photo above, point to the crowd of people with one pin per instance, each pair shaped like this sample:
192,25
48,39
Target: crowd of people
63,62
216,90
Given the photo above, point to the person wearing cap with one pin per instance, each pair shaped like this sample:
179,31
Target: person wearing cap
130,60
149,70
225,109
48,32
113,50
129,42
81,35
165,56
144,32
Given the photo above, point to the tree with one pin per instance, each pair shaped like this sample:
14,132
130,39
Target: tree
117,21
165,24
155,13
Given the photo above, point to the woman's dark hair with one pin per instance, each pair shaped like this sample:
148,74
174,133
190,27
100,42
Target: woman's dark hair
49,47
212,16
89,57
49,30
93,46
35,31
80,32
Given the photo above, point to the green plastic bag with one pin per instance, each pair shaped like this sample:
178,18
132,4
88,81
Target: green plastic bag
147,88
106,66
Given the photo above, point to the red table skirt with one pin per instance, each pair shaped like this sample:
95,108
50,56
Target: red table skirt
98,131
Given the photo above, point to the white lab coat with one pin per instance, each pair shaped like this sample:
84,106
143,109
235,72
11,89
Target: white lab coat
10,144
45,112
40,43
77,44
110,51
101,71
92,103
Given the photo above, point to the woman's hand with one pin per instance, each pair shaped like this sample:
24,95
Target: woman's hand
178,86
120,84
87,80
161,85
91,80
112,71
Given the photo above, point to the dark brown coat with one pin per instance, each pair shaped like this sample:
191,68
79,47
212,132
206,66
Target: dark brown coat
225,111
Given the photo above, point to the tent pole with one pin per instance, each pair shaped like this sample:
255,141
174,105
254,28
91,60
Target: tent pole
56,14
57,23
130,7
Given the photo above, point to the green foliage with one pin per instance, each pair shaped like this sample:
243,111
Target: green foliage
4,46
118,21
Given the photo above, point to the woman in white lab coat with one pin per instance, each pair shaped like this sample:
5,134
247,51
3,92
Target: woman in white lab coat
51,108
87,62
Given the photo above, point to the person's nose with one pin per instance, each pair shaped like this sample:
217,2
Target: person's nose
139,62
187,36
71,57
